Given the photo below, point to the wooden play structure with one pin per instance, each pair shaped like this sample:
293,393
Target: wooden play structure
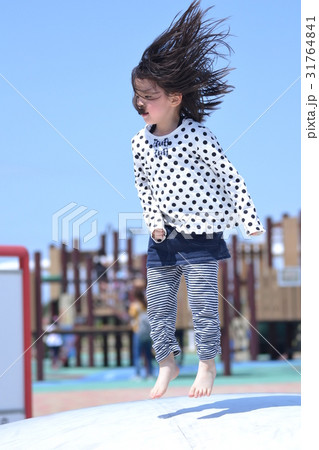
259,303
259,292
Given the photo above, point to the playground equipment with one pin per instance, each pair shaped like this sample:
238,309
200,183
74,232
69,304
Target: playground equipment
81,313
259,291
259,303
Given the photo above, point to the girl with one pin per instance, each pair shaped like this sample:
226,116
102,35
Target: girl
190,192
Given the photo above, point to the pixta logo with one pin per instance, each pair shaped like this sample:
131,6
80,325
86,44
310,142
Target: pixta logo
68,221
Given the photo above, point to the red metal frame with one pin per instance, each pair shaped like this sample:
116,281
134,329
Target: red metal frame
23,255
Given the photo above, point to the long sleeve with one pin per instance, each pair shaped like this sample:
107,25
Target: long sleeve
230,180
151,212
184,180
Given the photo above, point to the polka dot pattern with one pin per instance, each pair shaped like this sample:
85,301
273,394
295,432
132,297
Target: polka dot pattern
184,180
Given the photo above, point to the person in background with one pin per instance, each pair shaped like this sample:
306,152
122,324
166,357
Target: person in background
142,344
54,342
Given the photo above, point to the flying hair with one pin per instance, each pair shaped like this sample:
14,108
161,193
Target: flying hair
183,60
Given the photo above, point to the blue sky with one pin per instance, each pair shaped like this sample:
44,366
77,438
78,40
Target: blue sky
72,62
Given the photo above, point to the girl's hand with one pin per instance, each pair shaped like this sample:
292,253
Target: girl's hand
257,233
159,234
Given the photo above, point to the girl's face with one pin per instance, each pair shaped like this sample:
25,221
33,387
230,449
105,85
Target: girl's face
154,105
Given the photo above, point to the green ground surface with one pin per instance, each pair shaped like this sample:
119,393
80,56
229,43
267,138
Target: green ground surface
93,378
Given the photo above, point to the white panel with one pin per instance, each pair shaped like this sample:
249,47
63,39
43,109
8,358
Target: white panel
11,345
289,276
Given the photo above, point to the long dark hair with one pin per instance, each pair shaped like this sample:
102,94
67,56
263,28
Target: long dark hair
182,60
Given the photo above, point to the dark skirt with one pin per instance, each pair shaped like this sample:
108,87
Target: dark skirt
180,248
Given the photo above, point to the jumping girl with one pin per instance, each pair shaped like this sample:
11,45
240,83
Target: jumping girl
190,192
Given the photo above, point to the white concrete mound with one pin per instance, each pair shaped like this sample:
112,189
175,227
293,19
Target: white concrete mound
221,422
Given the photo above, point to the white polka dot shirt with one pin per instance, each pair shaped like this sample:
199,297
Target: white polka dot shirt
184,180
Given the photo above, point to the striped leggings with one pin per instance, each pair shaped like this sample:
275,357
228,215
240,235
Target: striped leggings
202,292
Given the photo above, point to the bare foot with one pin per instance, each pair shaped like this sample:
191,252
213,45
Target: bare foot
167,372
204,380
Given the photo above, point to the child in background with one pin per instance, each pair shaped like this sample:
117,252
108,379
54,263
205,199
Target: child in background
142,344
190,192
54,342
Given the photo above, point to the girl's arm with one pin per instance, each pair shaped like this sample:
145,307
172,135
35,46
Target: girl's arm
211,152
151,212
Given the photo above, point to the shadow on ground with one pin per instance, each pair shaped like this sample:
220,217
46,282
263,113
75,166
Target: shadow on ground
239,405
